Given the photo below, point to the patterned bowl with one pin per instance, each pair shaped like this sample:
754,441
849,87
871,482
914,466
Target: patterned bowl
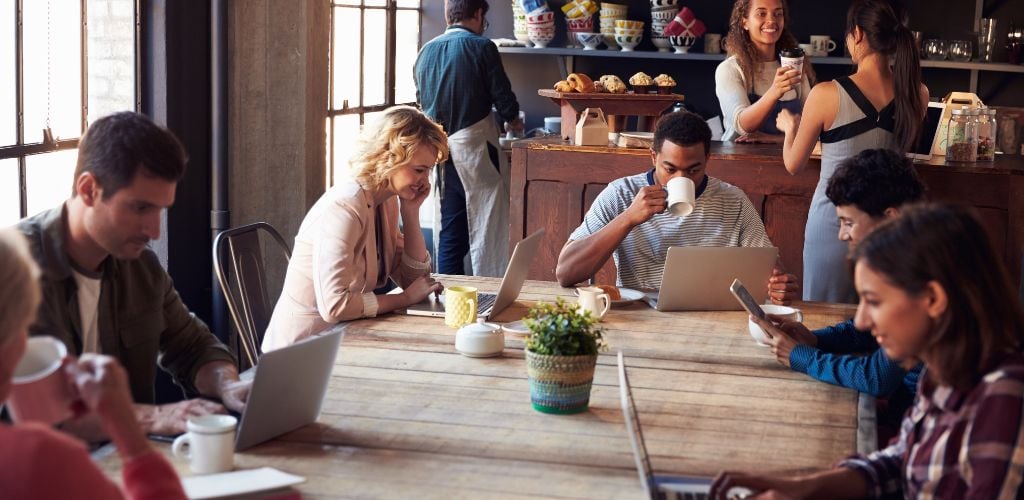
590,41
682,44
628,43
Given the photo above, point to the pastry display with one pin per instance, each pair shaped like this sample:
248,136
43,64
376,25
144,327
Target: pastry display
613,84
563,86
612,291
641,83
581,83
665,83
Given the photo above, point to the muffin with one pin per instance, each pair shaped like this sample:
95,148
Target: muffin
613,84
665,83
641,83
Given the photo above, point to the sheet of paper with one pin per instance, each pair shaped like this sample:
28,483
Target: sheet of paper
238,482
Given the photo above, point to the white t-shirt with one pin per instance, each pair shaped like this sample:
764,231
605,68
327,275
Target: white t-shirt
733,94
722,217
88,309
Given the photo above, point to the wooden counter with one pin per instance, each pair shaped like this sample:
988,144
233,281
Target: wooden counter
554,183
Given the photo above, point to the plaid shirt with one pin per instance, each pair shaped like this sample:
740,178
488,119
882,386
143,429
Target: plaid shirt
956,444
459,76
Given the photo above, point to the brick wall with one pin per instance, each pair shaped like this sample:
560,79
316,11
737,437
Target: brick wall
111,32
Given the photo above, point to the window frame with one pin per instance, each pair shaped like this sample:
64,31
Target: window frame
21,150
391,10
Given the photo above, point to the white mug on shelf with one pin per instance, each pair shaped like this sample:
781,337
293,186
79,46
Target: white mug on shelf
808,49
211,443
822,44
712,43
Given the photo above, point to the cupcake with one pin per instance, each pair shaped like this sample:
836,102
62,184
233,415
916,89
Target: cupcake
665,83
613,84
641,83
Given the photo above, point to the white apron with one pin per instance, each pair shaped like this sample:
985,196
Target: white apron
487,198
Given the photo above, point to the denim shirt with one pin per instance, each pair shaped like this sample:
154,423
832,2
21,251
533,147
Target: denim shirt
142,320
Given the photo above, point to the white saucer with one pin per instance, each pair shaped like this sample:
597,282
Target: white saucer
628,295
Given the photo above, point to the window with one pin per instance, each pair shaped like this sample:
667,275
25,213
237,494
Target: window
63,63
374,44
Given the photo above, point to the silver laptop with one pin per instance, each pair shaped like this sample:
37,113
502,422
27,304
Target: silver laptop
489,304
288,388
698,278
656,487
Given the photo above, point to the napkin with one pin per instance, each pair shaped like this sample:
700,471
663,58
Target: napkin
685,24
238,482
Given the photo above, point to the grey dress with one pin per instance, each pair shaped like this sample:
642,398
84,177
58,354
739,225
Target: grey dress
857,127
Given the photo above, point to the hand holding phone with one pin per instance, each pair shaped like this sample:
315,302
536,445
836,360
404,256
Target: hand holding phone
746,300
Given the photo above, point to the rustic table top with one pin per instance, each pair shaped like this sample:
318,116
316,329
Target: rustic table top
406,415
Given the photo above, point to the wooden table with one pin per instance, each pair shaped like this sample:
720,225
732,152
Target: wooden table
616,107
407,416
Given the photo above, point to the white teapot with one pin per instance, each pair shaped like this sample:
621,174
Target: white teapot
480,340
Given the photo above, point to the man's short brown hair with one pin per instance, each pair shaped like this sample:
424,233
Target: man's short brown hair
456,11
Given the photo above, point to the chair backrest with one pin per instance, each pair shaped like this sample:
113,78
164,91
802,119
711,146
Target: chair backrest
238,261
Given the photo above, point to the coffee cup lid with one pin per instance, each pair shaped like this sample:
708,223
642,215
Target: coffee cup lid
792,52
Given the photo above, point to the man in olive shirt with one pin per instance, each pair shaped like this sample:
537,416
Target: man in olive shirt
105,291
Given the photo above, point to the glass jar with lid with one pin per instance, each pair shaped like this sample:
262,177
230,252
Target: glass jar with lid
987,127
962,135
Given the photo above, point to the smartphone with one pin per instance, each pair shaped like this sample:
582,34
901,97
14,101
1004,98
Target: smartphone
746,300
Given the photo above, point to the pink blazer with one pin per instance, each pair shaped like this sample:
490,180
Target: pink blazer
334,266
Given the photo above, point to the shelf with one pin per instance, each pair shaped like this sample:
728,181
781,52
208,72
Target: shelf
648,54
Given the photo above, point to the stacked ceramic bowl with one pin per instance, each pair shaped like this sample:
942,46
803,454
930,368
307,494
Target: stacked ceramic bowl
540,26
682,44
611,12
519,22
662,13
578,26
628,34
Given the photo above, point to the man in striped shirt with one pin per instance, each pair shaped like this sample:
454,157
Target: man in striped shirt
628,221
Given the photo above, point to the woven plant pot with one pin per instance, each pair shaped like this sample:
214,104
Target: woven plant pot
560,384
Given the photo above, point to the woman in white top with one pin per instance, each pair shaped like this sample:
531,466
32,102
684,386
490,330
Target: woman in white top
751,85
350,243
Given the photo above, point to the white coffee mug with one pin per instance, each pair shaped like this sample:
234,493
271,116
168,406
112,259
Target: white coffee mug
40,392
808,49
784,312
681,196
211,443
594,299
712,43
823,44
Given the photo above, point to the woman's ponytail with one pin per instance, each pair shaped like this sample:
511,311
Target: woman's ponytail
907,83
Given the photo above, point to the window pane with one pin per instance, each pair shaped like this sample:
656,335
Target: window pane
375,3
348,2
407,34
346,131
375,57
53,69
345,54
8,94
408,4
111,42
10,194
48,179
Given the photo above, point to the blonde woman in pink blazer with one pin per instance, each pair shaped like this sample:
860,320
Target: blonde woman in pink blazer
350,243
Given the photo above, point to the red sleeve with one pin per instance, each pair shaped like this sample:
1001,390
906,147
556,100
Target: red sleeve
150,475
33,455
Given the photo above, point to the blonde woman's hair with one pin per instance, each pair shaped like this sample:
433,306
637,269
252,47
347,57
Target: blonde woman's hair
19,284
392,142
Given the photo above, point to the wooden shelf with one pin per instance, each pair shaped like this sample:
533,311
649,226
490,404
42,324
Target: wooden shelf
979,66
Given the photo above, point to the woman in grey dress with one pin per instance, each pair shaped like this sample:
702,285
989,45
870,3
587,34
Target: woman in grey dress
879,106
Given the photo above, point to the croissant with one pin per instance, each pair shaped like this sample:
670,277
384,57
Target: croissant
581,83
563,86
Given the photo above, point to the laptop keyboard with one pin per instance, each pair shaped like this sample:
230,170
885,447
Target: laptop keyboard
484,301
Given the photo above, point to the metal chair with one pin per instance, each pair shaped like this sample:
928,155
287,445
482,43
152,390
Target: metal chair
238,261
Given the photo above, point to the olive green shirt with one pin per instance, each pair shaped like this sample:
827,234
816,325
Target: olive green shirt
142,320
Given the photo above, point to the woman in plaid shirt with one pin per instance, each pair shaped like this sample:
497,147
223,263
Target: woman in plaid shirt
932,289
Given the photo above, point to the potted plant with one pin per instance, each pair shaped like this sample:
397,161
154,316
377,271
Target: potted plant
561,354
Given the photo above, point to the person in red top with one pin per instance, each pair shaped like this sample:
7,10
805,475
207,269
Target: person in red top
932,289
41,463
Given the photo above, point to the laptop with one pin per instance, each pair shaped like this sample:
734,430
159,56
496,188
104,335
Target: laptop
656,487
922,149
698,278
489,304
288,388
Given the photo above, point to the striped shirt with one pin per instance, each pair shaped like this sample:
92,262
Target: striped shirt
956,444
722,217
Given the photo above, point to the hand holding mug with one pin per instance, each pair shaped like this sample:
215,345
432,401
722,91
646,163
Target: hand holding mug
649,201
102,384
786,79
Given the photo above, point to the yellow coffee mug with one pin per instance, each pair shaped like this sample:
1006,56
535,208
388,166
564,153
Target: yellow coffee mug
459,306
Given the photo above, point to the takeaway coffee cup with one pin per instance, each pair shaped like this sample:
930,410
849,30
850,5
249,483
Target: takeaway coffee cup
681,195
594,299
210,443
459,306
40,391
784,312
793,58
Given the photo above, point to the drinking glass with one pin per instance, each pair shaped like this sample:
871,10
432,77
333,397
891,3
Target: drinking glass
935,49
961,50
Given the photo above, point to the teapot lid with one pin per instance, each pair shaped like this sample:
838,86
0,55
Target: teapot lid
481,326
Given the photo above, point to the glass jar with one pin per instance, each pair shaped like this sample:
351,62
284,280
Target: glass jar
987,134
962,135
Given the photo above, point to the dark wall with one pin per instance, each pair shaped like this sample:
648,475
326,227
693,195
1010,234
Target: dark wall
946,19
